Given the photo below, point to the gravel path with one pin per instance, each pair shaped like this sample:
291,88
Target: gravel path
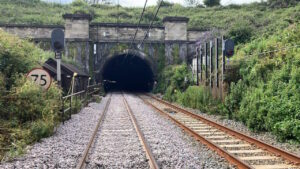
117,144
63,149
266,137
171,147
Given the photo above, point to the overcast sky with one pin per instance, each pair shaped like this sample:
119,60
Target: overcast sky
140,3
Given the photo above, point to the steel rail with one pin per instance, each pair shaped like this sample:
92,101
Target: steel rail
151,160
292,158
279,152
231,158
82,161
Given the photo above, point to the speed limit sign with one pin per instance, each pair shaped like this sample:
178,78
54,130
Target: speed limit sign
40,77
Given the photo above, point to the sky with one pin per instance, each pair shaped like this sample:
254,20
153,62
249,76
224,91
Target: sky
140,3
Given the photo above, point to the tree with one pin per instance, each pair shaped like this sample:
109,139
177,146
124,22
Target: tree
210,3
282,3
192,2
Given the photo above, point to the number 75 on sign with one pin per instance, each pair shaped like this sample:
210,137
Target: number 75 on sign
40,77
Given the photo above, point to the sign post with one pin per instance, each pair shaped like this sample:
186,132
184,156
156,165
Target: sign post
197,60
58,44
201,62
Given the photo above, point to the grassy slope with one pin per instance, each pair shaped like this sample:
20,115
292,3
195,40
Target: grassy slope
256,16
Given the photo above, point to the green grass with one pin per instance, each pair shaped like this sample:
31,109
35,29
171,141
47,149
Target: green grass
258,17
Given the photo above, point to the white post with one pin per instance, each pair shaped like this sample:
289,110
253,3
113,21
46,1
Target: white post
58,67
73,81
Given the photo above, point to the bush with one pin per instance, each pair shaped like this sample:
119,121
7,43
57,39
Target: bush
81,7
17,57
282,3
210,3
41,129
174,79
234,98
268,96
199,97
241,32
30,102
29,111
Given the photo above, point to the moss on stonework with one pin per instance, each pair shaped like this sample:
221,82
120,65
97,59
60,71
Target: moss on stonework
175,54
146,49
119,48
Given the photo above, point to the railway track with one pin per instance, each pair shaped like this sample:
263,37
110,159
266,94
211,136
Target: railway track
150,158
240,150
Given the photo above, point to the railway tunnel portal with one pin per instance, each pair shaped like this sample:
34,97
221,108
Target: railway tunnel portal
98,48
131,70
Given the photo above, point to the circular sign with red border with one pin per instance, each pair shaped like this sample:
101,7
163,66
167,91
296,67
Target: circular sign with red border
40,77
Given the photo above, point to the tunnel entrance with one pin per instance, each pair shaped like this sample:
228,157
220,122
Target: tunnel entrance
129,72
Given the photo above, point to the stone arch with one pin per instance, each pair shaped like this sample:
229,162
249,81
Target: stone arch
128,70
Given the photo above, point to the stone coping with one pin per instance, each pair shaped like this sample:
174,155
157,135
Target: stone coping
126,25
77,16
175,19
31,25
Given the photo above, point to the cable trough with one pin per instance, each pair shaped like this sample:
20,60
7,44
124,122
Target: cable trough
240,150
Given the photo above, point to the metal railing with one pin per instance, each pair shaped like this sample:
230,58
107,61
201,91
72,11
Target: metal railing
70,102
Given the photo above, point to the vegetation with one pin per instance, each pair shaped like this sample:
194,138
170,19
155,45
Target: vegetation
211,3
282,3
27,112
243,22
267,96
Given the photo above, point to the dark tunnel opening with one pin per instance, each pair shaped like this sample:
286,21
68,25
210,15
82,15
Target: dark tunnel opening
127,73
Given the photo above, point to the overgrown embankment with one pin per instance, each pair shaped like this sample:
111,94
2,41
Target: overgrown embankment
241,22
267,95
27,112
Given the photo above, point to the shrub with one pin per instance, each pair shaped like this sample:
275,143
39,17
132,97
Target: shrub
29,102
41,129
234,98
81,7
18,57
199,97
174,79
241,32
268,96
211,3
165,4
288,129
29,111
196,97
282,3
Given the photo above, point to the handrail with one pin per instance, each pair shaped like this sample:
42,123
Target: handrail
84,98
94,85
74,94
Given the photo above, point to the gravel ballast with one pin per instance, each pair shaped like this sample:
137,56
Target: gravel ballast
117,144
64,148
171,147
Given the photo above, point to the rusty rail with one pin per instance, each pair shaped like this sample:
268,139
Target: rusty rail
152,162
292,158
82,161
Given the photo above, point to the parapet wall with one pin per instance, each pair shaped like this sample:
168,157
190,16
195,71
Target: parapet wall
30,31
112,32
